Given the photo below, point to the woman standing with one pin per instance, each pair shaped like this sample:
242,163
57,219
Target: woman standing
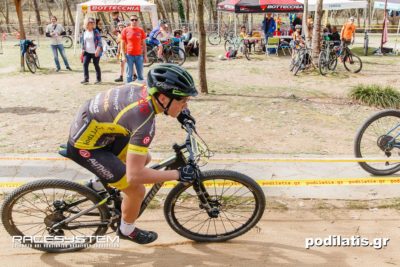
121,26
91,49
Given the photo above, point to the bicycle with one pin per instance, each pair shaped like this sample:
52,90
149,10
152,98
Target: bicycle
215,38
202,211
240,45
171,54
31,57
379,136
302,60
327,60
351,62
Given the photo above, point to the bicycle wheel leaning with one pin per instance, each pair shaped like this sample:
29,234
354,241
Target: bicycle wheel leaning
323,64
238,203
30,62
214,38
352,63
31,210
376,138
246,52
333,60
67,41
36,58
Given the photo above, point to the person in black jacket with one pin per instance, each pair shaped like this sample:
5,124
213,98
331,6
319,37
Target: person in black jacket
335,36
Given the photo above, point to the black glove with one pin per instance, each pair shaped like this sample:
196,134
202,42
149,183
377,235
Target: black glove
187,174
185,116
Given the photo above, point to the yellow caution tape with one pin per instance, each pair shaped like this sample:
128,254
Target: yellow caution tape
230,160
273,183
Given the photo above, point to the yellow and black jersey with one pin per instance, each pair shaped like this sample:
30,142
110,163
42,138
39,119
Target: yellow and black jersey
123,111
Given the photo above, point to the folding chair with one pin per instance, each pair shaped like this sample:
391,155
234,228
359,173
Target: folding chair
273,42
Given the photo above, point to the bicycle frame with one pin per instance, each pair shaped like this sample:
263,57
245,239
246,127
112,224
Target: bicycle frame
393,141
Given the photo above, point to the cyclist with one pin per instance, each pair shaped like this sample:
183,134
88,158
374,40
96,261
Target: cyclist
111,134
157,35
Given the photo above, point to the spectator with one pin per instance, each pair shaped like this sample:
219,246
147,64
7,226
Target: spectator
186,35
243,33
298,21
91,49
335,35
348,33
55,32
133,43
99,25
269,27
121,26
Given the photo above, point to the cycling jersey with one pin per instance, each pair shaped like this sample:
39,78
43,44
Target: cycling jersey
126,111
154,35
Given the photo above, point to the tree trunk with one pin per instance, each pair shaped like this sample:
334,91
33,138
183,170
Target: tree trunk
160,8
63,13
141,17
21,29
214,13
187,11
369,14
305,20
171,7
202,46
181,12
48,9
7,16
165,10
37,12
71,18
316,39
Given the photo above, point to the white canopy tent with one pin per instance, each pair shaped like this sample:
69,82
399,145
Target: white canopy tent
336,4
111,6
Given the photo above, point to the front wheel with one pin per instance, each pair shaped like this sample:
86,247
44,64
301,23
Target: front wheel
177,56
237,201
352,63
377,138
30,62
322,63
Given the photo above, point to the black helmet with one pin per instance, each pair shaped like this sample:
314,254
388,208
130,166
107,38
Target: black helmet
171,80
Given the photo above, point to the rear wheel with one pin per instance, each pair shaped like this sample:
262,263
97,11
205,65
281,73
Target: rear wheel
32,209
214,38
151,58
177,56
36,58
229,44
376,139
237,201
67,41
352,63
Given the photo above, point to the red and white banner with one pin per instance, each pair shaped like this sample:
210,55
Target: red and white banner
111,8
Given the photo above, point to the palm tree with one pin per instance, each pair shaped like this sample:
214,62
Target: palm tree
316,38
202,46
22,35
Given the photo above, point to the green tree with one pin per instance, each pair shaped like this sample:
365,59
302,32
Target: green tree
181,11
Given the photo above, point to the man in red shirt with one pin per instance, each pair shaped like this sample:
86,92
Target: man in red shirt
133,44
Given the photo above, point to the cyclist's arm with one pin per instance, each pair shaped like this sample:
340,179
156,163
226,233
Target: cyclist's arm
138,173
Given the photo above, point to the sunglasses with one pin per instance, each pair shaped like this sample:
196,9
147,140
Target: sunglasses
134,19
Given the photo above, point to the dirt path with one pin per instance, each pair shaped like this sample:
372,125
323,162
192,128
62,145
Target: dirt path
279,240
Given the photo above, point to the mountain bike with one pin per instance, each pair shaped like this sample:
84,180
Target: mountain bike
240,45
379,137
327,60
171,54
351,62
31,57
302,60
218,206
215,38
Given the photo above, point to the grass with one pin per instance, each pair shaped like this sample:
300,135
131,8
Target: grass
376,96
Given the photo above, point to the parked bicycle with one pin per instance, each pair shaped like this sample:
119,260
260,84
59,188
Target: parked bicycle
327,60
239,45
31,57
171,54
351,62
218,206
302,59
379,137
215,38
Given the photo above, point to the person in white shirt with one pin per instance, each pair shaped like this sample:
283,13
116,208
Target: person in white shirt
91,49
55,31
